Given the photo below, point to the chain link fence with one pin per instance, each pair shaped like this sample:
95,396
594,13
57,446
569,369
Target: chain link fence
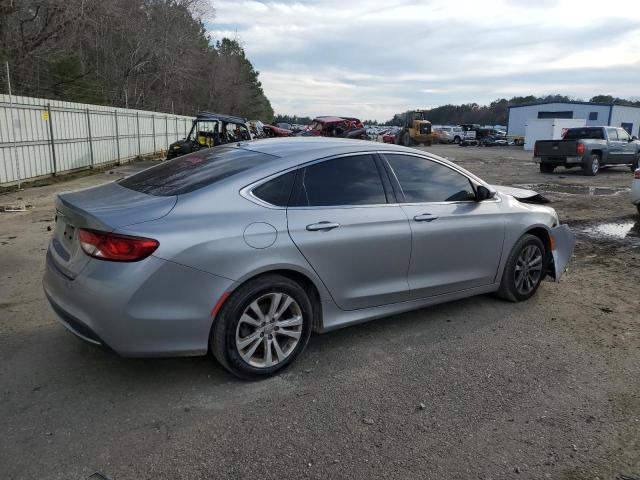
40,137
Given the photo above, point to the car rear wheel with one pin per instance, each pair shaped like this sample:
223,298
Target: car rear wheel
592,167
456,140
524,269
546,167
262,327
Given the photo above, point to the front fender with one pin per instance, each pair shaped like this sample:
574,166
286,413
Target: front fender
563,241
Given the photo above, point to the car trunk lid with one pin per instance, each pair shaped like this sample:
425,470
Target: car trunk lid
103,208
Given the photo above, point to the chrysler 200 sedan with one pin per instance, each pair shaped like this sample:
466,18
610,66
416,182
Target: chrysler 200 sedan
245,249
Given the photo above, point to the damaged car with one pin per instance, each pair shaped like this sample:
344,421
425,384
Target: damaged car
210,130
243,250
271,131
340,127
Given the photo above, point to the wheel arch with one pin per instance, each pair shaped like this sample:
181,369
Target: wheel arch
292,273
543,233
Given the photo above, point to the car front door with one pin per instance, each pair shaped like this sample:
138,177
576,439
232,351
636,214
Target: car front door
628,148
456,241
355,239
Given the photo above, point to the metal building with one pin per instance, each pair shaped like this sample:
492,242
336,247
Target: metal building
595,114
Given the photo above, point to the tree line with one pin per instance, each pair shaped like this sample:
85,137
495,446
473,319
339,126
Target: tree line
144,54
496,112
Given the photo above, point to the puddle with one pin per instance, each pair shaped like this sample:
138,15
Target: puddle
575,189
624,230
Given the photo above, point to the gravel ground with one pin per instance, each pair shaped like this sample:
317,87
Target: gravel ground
478,388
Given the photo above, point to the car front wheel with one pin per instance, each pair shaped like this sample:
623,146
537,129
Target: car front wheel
262,327
524,269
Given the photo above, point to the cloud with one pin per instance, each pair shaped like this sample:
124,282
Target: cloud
376,57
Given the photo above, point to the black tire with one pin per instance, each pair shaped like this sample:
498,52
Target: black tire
508,288
222,340
407,140
635,163
592,167
547,167
428,144
456,140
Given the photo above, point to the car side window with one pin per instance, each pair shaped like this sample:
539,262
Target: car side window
352,180
623,136
612,134
277,191
423,180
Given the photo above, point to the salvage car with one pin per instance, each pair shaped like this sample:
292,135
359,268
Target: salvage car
491,141
389,137
210,130
244,249
589,148
342,127
275,131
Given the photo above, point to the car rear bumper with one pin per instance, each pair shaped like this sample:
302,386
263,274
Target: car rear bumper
560,161
149,308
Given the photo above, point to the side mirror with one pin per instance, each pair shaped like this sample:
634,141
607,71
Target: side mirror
483,193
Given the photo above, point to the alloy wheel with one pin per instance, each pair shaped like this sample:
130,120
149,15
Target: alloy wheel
528,269
269,330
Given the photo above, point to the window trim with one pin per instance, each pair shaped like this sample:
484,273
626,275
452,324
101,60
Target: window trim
391,196
395,197
401,197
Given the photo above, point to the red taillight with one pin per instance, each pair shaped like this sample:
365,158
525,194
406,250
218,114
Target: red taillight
636,174
580,148
117,248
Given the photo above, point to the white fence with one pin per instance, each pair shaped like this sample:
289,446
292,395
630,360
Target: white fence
41,137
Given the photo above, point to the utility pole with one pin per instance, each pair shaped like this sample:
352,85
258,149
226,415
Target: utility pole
13,125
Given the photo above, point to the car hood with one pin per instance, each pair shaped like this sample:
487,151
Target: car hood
522,194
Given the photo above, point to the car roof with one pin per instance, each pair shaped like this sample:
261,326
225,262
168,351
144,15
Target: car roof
329,119
294,151
213,117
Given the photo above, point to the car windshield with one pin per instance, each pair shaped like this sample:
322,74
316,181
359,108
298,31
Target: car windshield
584,133
191,172
203,128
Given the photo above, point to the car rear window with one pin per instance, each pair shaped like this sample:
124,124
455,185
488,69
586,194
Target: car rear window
196,170
584,133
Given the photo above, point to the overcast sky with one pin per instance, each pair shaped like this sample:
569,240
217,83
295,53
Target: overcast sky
373,58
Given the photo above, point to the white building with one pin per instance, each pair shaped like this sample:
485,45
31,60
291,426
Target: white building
595,114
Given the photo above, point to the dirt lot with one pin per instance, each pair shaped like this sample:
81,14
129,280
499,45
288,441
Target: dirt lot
548,388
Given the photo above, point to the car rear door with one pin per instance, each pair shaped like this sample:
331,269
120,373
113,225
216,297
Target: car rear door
456,241
614,150
342,219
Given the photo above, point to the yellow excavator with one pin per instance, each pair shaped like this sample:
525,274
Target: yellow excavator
416,130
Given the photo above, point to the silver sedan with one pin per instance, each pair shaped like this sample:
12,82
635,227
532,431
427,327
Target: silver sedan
244,250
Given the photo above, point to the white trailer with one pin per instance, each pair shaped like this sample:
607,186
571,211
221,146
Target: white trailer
548,129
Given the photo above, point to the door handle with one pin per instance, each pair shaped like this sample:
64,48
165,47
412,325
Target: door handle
425,217
322,226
